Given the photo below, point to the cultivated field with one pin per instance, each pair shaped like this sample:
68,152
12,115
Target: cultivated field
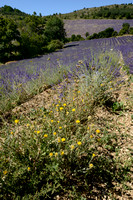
92,25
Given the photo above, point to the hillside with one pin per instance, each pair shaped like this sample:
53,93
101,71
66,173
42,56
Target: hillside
123,11
116,11
8,10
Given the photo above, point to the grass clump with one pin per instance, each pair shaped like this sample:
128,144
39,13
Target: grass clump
62,150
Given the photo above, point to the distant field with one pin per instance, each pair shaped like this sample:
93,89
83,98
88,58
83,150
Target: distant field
92,25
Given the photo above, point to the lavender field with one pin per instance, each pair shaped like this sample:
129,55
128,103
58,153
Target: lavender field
72,140
52,68
92,25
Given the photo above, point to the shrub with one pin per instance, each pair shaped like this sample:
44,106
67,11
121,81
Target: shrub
125,29
76,38
54,44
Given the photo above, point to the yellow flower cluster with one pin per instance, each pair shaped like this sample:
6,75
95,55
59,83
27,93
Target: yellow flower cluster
5,172
16,121
98,131
45,135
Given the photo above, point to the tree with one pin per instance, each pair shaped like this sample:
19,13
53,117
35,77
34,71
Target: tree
87,34
125,29
9,39
106,33
54,29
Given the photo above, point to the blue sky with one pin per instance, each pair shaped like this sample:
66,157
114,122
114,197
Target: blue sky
47,7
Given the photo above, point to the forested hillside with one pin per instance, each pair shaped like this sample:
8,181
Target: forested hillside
123,11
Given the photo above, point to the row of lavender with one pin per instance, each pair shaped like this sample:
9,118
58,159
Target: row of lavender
21,72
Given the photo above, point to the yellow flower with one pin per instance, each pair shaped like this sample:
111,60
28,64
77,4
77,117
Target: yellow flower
101,84
27,125
28,168
79,143
51,154
56,154
97,131
63,139
73,110
91,136
111,88
5,172
59,140
60,127
67,113
57,105
38,132
72,147
16,121
62,153
77,121
54,133
61,108
78,92
64,104
90,165
45,135
58,122
52,120
11,132
88,127
93,155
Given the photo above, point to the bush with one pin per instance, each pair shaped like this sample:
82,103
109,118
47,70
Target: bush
54,44
125,29
87,34
131,30
76,38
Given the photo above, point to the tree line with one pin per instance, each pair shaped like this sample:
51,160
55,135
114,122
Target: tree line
32,36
